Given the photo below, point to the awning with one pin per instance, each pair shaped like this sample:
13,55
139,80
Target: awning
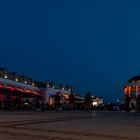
4,91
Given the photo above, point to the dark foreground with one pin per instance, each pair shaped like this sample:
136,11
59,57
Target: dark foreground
69,125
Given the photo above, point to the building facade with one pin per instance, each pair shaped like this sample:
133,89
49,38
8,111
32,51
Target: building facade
132,91
22,91
132,87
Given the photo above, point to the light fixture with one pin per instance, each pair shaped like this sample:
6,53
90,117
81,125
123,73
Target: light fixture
94,103
63,89
16,79
6,76
25,82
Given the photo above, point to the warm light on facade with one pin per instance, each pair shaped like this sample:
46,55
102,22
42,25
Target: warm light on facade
20,89
35,92
125,90
51,101
28,91
66,96
132,87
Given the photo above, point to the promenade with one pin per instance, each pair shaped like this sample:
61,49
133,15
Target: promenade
69,125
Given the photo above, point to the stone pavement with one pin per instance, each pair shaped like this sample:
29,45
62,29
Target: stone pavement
69,125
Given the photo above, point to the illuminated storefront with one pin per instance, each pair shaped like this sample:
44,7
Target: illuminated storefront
132,89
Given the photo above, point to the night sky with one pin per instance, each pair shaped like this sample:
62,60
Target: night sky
93,45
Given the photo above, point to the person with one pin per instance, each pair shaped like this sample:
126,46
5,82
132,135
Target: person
47,106
133,107
127,103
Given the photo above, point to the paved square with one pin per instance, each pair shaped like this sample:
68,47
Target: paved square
69,125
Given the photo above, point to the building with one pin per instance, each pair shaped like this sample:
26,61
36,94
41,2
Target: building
49,95
132,90
96,101
132,87
18,91
23,91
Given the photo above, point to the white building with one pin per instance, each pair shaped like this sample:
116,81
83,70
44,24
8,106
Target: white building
50,93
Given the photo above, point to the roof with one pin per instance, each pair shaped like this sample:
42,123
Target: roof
134,79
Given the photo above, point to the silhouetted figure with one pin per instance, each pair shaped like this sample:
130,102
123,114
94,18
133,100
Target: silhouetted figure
127,103
138,103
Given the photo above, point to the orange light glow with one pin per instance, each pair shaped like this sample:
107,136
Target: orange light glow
66,96
28,91
137,90
20,89
51,101
35,92
129,90
125,90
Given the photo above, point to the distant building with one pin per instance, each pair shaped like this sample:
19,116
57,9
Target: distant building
97,101
132,87
49,95
132,90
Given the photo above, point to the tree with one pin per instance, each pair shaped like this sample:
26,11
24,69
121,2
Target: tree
52,84
67,87
61,86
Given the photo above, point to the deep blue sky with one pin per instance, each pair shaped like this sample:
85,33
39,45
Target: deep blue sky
92,44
